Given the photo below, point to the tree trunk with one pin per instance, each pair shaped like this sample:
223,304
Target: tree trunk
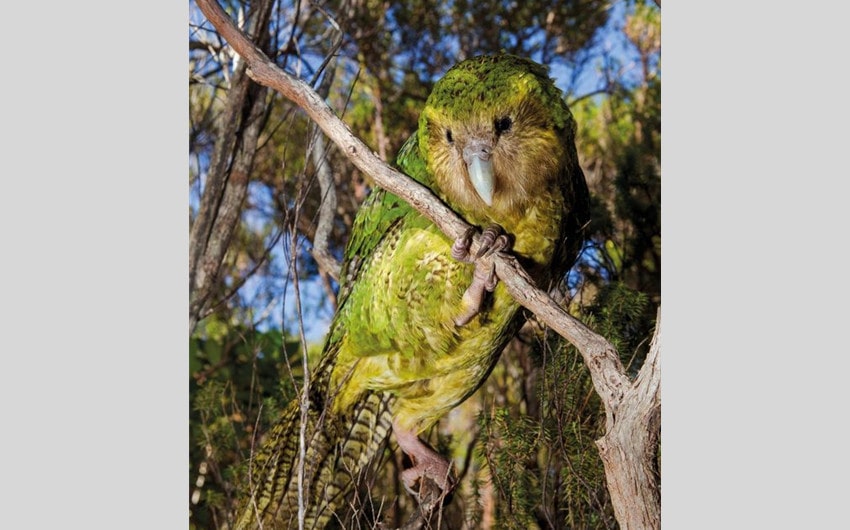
226,187
629,449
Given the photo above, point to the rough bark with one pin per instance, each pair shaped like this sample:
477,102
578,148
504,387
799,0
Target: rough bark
629,447
241,122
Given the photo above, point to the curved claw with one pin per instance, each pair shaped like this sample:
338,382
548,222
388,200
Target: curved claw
493,239
460,248
491,280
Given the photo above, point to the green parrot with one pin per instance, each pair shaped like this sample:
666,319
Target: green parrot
420,324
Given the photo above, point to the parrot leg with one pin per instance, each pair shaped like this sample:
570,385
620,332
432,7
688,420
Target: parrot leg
427,463
493,239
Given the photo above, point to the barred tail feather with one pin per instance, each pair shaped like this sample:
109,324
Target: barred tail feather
340,450
367,430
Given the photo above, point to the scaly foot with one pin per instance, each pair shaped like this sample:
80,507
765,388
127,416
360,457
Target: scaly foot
427,463
493,239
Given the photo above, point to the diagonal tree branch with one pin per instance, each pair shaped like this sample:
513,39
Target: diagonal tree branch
602,359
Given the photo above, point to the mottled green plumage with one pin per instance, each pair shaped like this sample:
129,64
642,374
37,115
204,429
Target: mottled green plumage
394,353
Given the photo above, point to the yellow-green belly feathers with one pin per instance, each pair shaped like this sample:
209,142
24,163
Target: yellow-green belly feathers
404,338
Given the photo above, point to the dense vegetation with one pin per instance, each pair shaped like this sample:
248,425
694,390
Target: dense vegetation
263,254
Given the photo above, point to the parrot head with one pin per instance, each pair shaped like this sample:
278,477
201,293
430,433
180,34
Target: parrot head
494,131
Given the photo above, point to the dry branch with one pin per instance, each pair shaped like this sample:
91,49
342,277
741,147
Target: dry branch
227,180
635,507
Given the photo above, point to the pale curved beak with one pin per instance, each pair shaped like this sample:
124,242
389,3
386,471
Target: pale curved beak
480,165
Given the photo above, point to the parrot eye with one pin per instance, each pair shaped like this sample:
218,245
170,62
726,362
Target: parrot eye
502,124
449,135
